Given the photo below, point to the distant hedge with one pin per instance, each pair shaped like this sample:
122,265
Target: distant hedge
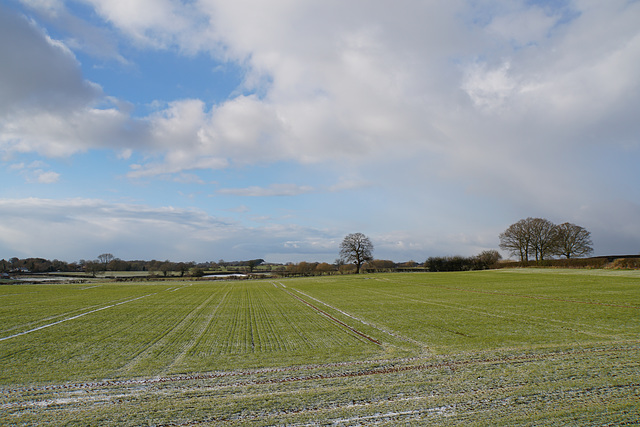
613,262
625,264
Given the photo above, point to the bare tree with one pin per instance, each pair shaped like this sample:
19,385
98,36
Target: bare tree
573,240
93,267
543,237
105,259
357,249
517,239
166,267
530,237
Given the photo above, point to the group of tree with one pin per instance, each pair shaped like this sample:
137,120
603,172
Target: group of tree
108,262
307,269
36,265
249,264
104,262
542,239
357,249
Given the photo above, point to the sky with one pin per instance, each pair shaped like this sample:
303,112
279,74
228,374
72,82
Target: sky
211,129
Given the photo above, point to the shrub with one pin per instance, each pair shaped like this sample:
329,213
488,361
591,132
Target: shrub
347,269
197,272
599,262
625,264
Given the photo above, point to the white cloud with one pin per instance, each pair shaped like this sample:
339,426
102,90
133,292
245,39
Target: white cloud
71,228
47,177
341,80
154,23
297,120
245,129
272,190
176,162
75,229
292,189
62,134
35,172
374,83
177,126
489,88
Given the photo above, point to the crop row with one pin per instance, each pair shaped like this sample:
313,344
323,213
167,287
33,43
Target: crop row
458,312
175,328
258,318
129,330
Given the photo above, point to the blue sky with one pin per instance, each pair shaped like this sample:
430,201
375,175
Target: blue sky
209,129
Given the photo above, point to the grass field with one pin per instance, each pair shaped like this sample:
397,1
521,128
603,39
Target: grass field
509,347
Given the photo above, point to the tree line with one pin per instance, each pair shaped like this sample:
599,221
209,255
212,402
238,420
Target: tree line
531,237
357,249
108,262
193,269
541,239
482,261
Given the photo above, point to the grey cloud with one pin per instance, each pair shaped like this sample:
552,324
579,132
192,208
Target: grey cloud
46,105
614,224
37,72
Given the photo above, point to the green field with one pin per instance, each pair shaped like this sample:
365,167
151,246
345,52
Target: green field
508,347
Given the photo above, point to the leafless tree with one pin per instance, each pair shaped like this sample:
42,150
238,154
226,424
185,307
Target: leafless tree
573,240
356,248
543,237
517,239
93,267
105,259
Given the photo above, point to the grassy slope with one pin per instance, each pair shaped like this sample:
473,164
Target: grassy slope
503,347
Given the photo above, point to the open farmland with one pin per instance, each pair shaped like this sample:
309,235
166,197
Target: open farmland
492,347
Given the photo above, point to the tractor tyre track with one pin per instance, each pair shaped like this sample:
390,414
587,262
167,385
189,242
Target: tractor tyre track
391,366
330,317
